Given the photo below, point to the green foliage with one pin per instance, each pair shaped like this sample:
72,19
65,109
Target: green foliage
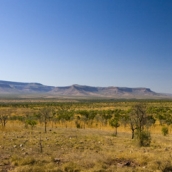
150,120
144,138
114,122
31,122
65,116
137,119
88,114
164,130
163,114
106,115
19,118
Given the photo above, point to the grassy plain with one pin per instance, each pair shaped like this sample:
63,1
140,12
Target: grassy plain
92,148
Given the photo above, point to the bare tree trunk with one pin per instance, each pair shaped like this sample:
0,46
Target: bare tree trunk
45,126
132,137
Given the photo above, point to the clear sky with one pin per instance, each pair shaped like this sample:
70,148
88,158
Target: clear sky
88,42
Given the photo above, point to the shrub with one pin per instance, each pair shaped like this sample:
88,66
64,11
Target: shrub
144,138
164,130
77,124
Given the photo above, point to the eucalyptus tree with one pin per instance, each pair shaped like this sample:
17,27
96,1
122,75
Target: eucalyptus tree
138,121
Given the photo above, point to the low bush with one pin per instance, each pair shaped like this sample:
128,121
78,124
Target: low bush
164,130
144,138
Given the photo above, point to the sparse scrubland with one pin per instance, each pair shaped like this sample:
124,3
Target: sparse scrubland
95,136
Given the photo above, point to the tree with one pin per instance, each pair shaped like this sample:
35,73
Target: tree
45,115
138,120
140,111
162,114
114,122
87,116
31,122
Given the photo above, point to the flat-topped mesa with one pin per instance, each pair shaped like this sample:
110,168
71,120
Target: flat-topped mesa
9,87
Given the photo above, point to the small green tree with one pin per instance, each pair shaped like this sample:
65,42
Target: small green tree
164,130
31,122
139,120
115,123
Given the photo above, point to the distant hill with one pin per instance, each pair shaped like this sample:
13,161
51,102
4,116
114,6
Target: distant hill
37,89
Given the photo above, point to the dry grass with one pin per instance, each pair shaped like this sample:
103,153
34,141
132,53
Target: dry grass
86,150
70,149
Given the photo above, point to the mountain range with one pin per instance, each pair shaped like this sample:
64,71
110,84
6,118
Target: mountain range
20,89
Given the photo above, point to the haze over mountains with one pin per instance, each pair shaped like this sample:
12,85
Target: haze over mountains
8,88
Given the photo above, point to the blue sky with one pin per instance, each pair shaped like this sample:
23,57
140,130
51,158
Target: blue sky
89,42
